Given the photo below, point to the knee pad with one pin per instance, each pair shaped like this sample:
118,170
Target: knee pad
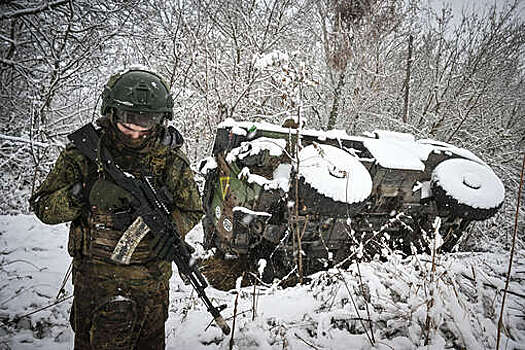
113,324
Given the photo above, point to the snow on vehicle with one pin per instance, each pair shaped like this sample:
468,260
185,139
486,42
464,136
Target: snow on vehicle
348,195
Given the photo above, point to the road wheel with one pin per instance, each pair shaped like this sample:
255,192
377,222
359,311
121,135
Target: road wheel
467,189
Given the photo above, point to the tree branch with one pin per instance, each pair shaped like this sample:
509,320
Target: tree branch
33,10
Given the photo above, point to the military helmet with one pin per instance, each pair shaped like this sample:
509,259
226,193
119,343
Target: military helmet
138,91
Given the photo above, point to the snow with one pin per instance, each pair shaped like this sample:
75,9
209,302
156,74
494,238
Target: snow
123,102
28,141
330,312
253,178
207,164
392,150
387,134
470,183
333,134
439,146
273,58
239,131
275,148
395,154
251,212
132,67
424,187
281,177
334,173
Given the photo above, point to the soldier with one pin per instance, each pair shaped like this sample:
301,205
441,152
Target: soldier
119,306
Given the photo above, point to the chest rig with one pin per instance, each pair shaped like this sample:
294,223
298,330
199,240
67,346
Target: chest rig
110,212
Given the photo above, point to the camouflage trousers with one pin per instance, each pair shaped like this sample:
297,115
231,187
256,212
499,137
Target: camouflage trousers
120,307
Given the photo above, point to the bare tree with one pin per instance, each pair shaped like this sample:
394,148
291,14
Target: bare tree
50,52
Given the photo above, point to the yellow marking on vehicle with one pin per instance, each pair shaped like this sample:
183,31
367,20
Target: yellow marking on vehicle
225,185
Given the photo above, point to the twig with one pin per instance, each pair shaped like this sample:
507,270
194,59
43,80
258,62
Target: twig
366,302
227,318
507,281
16,319
33,10
430,303
64,281
31,142
25,261
307,343
235,314
486,284
298,235
254,301
355,307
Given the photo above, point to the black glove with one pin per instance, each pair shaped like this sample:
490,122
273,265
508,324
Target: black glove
164,247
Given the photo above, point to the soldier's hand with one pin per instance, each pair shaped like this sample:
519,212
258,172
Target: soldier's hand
164,247
76,192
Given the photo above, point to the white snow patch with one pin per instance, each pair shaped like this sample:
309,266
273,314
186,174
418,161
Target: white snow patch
335,173
424,187
393,150
265,126
393,153
238,131
126,103
470,183
439,146
251,212
270,59
252,178
261,265
281,177
275,148
400,136
207,164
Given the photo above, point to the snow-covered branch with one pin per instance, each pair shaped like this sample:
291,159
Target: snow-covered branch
16,139
45,5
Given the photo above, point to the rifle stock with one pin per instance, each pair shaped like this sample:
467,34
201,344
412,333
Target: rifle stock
153,213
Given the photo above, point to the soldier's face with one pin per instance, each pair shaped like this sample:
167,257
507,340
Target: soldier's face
133,131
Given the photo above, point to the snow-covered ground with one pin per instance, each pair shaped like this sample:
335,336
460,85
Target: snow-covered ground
398,304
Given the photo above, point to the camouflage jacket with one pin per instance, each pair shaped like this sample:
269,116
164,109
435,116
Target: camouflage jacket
103,213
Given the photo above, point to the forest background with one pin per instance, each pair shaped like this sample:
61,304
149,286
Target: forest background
356,65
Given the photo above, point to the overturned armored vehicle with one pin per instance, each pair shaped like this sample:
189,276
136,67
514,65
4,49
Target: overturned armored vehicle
344,196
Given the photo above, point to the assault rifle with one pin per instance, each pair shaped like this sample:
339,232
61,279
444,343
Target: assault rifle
153,215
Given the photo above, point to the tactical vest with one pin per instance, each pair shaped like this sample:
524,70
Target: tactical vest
95,235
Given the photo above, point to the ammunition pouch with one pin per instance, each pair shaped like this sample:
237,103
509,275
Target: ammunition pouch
106,196
105,230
